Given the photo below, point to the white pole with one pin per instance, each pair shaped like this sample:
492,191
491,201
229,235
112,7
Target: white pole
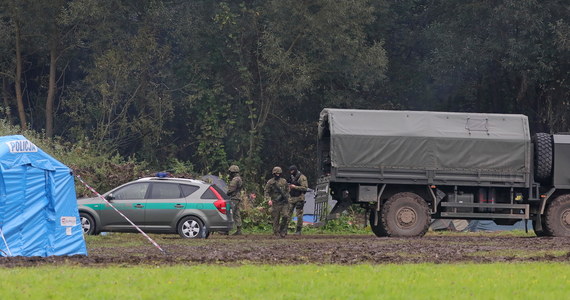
3,238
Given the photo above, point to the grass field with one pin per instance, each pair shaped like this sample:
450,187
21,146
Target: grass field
410,281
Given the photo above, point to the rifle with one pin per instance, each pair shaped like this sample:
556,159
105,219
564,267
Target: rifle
294,180
283,196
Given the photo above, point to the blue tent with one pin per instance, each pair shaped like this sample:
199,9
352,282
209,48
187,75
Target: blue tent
38,207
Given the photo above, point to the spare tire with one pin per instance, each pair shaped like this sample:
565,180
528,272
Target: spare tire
543,158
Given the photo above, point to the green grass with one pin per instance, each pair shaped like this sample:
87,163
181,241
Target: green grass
423,281
520,253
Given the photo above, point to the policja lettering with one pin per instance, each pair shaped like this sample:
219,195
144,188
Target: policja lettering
22,146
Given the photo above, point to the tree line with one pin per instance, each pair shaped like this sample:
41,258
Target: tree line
210,83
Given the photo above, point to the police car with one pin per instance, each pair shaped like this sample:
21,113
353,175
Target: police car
191,208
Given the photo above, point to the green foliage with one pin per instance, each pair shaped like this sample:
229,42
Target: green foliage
101,170
213,124
213,82
180,167
351,221
257,219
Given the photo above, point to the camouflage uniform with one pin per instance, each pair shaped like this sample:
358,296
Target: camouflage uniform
299,185
234,191
280,203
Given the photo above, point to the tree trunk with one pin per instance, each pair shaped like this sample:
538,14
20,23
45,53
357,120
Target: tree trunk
6,98
18,80
51,90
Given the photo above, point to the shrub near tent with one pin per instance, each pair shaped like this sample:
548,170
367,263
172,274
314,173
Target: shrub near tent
38,209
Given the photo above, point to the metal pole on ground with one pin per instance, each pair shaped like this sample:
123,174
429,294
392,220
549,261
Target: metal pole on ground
6,243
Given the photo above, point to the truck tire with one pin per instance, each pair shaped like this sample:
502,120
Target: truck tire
405,215
543,158
557,216
378,229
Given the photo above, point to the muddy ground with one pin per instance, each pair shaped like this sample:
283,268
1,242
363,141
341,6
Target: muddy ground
132,249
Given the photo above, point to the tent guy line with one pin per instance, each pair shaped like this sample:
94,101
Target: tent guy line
6,243
109,203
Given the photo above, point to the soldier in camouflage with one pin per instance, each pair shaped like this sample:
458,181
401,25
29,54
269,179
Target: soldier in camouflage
234,191
298,185
277,191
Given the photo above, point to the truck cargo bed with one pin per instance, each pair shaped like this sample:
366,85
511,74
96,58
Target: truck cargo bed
382,146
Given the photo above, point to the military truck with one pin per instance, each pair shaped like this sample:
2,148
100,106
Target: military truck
407,167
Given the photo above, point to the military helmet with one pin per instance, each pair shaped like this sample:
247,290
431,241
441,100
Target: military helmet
234,169
277,170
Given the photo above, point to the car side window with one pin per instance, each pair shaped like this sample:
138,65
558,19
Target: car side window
135,191
188,190
160,190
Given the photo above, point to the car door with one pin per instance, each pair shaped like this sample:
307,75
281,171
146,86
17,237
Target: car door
130,201
164,202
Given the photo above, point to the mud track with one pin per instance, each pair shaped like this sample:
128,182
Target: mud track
309,249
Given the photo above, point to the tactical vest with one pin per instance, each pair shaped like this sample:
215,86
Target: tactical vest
295,181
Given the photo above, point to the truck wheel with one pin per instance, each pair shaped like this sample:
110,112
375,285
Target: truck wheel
405,215
557,216
543,157
378,229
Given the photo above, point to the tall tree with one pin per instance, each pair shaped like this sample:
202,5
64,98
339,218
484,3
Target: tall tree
122,95
6,59
16,10
303,54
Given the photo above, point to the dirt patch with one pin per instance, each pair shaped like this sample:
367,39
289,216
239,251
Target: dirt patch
132,249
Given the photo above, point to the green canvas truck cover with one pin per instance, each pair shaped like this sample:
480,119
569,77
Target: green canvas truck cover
496,143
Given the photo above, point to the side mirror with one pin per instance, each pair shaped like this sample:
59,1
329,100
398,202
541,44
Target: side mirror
110,197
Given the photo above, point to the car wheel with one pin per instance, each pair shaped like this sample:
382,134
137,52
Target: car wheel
192,228
87,224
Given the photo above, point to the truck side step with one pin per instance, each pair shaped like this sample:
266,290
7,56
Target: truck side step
512,211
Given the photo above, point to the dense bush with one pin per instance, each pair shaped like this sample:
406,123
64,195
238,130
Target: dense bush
106,170
99,169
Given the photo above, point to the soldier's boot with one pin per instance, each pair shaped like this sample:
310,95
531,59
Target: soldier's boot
298,232
238,232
